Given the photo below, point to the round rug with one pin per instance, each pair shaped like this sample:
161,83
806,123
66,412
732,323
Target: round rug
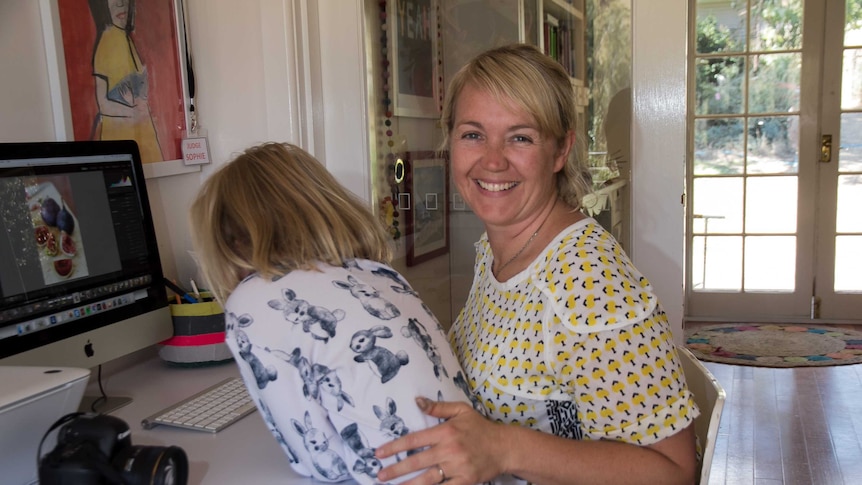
775,345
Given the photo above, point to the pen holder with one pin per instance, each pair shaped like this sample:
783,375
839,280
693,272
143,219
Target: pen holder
198,334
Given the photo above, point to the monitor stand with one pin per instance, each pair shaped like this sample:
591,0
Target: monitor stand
102,404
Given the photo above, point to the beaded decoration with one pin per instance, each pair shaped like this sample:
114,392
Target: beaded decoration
388,206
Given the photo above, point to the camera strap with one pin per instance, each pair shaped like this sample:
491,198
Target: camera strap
60,422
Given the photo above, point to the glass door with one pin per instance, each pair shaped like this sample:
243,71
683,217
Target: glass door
772,231
838,281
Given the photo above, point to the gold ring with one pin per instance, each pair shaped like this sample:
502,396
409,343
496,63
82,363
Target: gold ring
442,475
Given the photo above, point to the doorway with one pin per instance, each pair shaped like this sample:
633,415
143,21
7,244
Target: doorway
775,161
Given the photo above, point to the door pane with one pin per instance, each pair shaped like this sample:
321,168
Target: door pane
718,146
717,205
770,263
849,204
850,156
776,26
720,82
848,264
773,83
721,26
773,145
770,205
717,263
851,82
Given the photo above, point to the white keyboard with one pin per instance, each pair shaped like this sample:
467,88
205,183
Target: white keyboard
211,410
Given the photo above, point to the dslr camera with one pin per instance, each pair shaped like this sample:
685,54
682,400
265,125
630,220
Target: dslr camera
97,449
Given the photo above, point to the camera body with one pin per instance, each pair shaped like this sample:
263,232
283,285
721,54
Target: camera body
97,449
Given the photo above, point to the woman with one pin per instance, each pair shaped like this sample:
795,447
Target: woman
560,335
332,343
121,80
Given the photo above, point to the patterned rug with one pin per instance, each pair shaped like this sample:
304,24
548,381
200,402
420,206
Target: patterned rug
775,345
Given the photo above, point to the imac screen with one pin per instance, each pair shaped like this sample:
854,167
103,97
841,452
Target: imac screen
80,276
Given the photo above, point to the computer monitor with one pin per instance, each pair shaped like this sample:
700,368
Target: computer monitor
81,281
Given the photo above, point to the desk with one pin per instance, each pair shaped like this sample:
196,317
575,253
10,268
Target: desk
244,452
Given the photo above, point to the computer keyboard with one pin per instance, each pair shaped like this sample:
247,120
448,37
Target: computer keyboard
211,410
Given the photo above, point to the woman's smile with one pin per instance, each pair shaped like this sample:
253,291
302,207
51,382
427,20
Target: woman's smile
496,186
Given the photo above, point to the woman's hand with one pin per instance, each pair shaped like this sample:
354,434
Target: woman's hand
468,448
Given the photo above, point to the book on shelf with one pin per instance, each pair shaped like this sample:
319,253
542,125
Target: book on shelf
551,27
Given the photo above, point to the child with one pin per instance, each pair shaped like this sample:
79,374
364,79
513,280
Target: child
333,344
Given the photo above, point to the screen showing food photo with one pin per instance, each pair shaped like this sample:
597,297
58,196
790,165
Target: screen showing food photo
56,232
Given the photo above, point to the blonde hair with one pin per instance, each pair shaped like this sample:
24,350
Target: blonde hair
534,82
273,209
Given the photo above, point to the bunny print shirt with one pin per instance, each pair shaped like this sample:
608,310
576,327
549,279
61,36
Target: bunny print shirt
334,360
575,345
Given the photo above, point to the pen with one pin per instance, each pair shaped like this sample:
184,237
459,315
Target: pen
195,289
179,291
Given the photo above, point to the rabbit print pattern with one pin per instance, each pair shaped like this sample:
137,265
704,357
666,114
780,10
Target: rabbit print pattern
335,358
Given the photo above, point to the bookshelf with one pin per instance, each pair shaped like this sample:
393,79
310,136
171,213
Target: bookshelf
558,28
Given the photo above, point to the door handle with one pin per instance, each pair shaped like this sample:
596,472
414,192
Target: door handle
825,148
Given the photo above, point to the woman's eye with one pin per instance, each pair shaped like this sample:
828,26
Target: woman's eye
470,136
522,139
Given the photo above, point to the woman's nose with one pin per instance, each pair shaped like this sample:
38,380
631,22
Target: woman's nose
494,157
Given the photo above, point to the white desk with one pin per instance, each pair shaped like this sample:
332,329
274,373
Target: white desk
243,453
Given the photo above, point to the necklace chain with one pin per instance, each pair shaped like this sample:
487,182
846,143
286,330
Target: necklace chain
533,236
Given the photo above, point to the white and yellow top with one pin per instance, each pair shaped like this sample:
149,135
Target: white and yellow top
575,345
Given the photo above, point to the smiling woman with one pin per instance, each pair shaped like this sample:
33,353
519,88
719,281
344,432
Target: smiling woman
548,281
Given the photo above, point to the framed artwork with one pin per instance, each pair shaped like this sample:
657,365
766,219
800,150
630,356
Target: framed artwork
117,70
427,223
414,57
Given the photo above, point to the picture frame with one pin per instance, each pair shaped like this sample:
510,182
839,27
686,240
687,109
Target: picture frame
414,57
158,40
427,182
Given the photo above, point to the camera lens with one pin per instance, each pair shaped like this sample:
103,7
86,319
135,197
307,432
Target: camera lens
153,465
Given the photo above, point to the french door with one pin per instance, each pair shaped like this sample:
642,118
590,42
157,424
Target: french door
774,197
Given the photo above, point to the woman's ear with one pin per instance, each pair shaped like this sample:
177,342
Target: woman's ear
566,147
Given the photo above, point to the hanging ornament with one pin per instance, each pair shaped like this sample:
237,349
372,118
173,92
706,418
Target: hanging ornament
394,166
440,85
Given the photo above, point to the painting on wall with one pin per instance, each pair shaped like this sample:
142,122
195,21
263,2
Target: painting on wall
414,57
118,72
428,215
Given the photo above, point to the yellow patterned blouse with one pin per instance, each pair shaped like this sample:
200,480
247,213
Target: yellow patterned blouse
575,345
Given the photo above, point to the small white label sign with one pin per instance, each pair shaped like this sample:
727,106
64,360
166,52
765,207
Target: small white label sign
195,151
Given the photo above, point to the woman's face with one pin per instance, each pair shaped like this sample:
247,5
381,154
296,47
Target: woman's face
119,12
502,165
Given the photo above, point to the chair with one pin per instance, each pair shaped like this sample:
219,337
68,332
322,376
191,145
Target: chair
709,397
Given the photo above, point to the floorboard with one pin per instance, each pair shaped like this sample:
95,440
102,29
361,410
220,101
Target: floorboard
797,426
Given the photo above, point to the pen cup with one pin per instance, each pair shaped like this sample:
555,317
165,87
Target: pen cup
198,334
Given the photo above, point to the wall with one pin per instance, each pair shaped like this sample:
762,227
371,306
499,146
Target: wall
261,76
430,278
468,28
658,148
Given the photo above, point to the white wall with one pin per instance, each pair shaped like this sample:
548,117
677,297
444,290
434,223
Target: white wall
25,106
262,76
658,148
259,77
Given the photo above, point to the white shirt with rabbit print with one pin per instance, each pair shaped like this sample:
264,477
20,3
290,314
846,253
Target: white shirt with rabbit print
334,360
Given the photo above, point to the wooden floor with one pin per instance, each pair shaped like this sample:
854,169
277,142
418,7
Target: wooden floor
798,426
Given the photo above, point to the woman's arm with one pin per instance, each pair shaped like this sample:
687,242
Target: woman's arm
470,449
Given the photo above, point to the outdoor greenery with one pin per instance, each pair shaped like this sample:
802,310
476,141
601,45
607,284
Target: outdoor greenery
773,61
773,80
609,48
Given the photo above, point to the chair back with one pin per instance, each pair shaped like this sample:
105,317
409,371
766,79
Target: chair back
709,397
